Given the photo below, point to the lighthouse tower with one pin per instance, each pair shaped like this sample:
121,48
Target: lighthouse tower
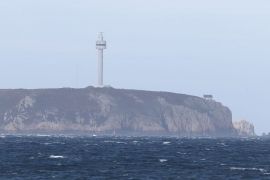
100,45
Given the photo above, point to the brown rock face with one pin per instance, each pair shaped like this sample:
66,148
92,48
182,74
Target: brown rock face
107,111
244,128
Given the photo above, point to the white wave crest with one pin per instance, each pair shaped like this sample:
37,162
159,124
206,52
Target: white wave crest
248,169
56,157
163,160
166,143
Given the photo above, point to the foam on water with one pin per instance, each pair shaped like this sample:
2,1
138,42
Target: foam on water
56,157
119,142
42,135
248,169
166,143
2,136
222,144
163,160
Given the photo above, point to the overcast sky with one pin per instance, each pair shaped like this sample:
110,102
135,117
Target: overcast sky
194,47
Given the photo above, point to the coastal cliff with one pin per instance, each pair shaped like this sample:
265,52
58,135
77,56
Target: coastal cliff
244,128
110,111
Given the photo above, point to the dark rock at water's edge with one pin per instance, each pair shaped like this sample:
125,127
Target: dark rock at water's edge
109,111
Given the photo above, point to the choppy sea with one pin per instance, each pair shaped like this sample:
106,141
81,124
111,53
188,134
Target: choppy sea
74,157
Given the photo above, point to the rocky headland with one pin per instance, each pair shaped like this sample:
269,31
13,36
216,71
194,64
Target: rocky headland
109,111
244,128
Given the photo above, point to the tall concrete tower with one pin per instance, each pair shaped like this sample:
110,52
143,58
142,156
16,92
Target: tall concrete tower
100,45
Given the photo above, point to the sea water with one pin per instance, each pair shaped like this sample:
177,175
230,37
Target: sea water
74,157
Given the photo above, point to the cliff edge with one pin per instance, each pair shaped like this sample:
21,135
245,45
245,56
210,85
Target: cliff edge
112,111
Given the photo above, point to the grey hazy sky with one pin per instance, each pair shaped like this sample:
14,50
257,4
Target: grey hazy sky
193,47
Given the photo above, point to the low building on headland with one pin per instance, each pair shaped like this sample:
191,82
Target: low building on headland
208,97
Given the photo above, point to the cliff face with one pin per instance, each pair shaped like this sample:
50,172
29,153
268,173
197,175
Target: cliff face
108,110
244,128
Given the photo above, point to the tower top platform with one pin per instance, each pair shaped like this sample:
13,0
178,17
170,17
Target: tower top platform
101,44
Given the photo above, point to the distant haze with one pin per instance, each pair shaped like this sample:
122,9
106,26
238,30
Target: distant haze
193,47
